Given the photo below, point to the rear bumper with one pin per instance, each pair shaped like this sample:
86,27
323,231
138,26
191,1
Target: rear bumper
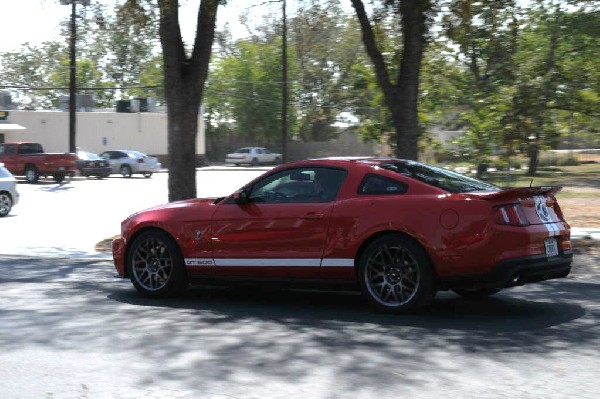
236,160
145,167
514,272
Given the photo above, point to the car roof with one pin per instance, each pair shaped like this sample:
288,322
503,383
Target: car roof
348,161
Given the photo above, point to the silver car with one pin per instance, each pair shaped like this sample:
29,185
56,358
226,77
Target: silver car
129,162
9,196
253,156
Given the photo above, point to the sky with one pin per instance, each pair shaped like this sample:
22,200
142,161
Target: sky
36,21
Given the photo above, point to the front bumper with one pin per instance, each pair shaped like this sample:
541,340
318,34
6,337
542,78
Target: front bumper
118,250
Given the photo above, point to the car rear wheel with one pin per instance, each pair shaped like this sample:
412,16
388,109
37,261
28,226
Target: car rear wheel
126,171
155,265
31,174
59,177
147,175
395,275
5,204
477,293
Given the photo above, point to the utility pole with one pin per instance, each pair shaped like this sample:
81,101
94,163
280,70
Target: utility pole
284,126
72,72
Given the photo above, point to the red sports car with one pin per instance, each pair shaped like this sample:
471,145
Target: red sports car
398,230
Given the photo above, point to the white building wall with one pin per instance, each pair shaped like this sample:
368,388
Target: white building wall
98,131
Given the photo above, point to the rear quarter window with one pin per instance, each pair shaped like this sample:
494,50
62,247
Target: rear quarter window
380,185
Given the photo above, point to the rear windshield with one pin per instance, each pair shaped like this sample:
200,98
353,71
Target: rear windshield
439,177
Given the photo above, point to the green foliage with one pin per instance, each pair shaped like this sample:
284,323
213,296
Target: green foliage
114,51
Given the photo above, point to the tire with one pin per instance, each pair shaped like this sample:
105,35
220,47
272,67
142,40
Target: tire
6,204
148,175
125,171
59,177
254,162
395,275
31,174
479,293
155,265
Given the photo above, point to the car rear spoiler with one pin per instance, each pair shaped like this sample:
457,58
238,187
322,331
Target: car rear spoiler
518,192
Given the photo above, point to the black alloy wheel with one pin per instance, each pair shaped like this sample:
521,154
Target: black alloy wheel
395,274
155,265
126,171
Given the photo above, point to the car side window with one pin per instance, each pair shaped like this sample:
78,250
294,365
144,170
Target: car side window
380,185
116,155
299,185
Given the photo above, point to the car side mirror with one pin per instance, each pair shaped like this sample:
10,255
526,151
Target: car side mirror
241,196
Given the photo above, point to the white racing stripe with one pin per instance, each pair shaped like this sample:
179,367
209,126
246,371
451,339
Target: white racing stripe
552,227
268,262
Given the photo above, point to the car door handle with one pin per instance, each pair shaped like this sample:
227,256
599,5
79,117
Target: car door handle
312,215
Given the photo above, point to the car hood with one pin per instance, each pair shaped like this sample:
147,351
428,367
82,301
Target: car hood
175,210
190,203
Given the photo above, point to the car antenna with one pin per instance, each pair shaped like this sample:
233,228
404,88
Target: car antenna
534,171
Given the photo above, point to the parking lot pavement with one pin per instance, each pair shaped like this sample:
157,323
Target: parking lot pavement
69,219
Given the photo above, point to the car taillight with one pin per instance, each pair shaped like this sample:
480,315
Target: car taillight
511,215
556,207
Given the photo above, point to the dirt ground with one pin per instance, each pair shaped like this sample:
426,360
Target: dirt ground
584,212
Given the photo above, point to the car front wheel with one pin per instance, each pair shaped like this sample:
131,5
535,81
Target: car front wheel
126,171
148,175
155,265
395,274
5,204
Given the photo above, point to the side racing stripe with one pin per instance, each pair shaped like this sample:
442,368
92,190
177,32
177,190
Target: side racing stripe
269,262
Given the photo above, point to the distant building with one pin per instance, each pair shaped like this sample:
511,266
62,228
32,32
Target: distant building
98,131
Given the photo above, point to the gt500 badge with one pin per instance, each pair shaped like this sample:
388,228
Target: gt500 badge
199,262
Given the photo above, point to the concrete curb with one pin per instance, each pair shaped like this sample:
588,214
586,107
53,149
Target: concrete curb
585,232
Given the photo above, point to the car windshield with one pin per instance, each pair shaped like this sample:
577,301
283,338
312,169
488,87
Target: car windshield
439,177
87,155
242,151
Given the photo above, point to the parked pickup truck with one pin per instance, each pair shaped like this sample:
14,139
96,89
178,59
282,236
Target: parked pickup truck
30,160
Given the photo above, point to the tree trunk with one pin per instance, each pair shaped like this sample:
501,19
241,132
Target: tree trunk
184,84
401,98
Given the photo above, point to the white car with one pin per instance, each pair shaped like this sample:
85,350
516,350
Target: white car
253,156
128,162
9,196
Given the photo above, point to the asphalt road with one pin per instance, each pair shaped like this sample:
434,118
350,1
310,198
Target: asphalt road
69,329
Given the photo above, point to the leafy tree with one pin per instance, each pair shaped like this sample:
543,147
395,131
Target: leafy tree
185,76
327,45
557,76
486,35
400,94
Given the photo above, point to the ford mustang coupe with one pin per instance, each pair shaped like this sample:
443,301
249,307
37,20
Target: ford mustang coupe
397,230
